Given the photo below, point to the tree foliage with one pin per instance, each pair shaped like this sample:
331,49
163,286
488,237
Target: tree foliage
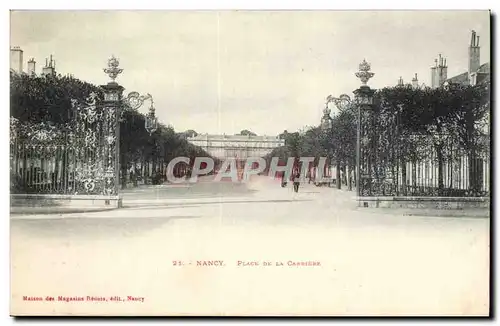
189,133
42,107
46,98
246,132
434,123
409,125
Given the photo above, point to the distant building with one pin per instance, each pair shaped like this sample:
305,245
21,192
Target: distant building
17,63
237,146
475,74
16,59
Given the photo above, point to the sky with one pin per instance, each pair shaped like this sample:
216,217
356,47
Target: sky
267,71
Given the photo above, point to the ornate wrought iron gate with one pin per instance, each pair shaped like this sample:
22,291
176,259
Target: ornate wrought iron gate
77,158
95,148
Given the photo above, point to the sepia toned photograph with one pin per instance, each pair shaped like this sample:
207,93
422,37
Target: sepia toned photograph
250,163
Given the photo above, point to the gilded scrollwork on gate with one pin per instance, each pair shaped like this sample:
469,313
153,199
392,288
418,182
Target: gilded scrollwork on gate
110,151
90,139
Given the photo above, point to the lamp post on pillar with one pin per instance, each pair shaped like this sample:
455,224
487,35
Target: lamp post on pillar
132,102
114,105
343,102
364,152
151,123
326,128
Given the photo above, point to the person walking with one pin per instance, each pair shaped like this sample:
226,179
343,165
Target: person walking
283,180
296,181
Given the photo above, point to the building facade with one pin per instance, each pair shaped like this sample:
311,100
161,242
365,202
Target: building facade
236,146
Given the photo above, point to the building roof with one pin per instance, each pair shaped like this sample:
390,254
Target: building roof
463,78
483,77
484,68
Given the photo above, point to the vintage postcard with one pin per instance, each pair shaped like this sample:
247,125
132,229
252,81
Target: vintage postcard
250,163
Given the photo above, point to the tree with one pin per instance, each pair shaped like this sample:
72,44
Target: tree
283,135
414,122
411,123
400,121
246,132
311,143
47,98
469,121
42,106
343,139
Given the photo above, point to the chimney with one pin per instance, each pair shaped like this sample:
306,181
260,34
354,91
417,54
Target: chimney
414,81
474,53
48,70
32,67
16,59
434,79
400,81
442,72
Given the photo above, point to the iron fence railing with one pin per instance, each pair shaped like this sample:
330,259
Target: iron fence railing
43,169
429,164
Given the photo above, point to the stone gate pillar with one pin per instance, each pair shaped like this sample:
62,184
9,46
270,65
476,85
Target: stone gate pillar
365,147
112,106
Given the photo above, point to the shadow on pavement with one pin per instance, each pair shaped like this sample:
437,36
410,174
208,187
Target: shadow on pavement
91,228
190,190
196,204
157,206
438,213
55,210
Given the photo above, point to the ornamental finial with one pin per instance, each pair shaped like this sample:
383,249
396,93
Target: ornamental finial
113,71
326,111
364,73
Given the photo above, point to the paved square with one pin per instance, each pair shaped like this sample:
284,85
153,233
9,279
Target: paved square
337,259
